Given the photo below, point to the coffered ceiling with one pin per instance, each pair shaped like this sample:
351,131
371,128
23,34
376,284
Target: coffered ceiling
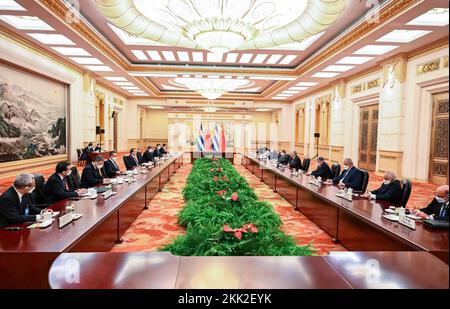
365,34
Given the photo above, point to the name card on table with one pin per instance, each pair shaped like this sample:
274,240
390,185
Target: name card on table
408,222
64,220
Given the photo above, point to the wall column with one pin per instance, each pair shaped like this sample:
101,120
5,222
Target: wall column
337,124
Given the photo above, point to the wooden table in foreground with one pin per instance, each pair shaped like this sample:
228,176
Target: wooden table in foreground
358,225
26,255
161,270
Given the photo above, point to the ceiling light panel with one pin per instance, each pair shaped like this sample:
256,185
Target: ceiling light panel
436,17
26,22
213,57
375,49
197,56
154,55
307,84
51,39
140,55
274,59
10,5
168,55
124,83
325,75
245,58
338,68
260,58
403,36
116,79
82,60
232,57
288,59
183,56
354,60
98,68
71,51
298,88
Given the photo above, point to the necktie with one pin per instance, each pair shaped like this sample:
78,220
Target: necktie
443,210
345,176
65,184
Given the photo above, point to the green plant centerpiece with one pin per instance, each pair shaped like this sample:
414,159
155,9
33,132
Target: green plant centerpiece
223,217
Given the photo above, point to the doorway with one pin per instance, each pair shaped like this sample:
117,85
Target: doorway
368,137
439,173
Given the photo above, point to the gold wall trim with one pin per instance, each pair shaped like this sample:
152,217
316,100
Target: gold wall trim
9,169
430,66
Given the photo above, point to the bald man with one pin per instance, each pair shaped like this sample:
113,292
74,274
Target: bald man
438,208
390,190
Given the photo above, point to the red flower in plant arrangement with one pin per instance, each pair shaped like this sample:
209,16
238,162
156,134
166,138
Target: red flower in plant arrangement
225,178
220,169
212,170
234,196
248,228
222,193
216,178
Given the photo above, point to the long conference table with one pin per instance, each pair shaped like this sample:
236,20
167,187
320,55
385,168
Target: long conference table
358,225
26,255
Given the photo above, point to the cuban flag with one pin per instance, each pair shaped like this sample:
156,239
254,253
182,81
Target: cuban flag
215,144
201,140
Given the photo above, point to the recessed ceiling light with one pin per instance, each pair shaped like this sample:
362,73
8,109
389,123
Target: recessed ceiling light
307,84
403,36
354,60
82,60
434,17
154,55
245,58
260,58
154,74
130,88
288,59
197,56
274,59
140,55
26,22
338,68
284,95
186,76
183,56
116,79
298,88
140,94
303,45
279,98
272,78
10,5
198,76
228,77
51,39
71,51
213,76
136,91
213,57
155,107
98,68
325,74
232,57
290,92
375,50
263,110
124,83
168,55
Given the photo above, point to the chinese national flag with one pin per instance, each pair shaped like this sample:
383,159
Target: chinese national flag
223,145
208,142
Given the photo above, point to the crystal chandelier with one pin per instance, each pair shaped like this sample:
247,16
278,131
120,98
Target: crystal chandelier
212,88
223,25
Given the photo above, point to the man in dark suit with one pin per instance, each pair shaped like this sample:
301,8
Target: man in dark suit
149,155
16,203
110,167
98,148
85,153
390,190
351,176
284,158
157,153
139,156
323,169
295,163
131,161
56,188
163,149
92,175
438,208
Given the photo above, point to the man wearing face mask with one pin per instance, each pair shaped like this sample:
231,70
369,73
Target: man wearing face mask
56,188
92,175
438,208
351,177
132,160
390,190
16,202
110,167
284,158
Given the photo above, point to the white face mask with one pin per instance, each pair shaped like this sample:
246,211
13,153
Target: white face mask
440,200
69,173
114,159
100,167
31,190
346,167
386,182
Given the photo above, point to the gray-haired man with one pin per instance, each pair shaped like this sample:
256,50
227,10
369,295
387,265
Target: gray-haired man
16,204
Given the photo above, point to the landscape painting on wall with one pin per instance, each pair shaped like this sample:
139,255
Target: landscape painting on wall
32,116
